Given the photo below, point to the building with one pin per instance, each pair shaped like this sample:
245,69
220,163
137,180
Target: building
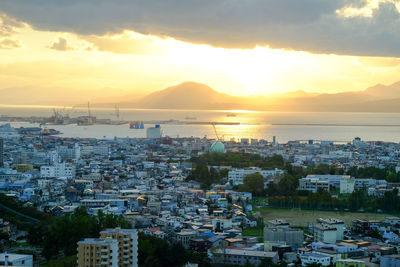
154,132
324,233
336,223
310,258
127,245
102,150
185,237
236,176
242,256
390,261
93,252
7,132
334,256
59,170
350,263
11,259
65,152
278,223
313,184
333,180
365,183
217,147
347,185
292,237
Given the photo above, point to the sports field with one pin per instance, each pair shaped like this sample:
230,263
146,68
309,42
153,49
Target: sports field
305,217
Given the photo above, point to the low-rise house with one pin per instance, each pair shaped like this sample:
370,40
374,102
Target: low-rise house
292,237
12,259
314,258
324,233
350,263
242,256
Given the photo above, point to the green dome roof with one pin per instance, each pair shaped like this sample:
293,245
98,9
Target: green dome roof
217,147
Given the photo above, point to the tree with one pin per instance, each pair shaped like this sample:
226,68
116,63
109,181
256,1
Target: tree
156,252
253,183
357,200
287,185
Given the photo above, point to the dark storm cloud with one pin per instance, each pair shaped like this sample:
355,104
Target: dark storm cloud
310,25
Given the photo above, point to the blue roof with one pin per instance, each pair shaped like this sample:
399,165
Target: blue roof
209,234
7,185
315,255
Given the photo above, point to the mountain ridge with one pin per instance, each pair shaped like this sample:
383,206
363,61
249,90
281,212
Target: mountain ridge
195,95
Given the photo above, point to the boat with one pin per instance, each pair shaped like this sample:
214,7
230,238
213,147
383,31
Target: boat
173,122
231,115
137,125
50,132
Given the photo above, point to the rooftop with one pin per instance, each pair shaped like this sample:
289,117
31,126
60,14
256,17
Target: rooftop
97,241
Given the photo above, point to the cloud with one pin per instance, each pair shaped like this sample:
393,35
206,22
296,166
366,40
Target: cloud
9,44
308,25
60,45
8,25
126,43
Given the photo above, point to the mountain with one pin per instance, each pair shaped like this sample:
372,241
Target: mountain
192,95
188,95
384,91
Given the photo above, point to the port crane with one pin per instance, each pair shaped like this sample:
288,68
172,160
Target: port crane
219,138
61,116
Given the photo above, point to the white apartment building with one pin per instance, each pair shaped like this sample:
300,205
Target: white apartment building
237,175
313,185
347,185
11,259
66,152
324,233
153,132
335,223
310,258
59,170
241,256
52,157
315,182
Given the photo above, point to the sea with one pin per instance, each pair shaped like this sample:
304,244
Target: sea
285,126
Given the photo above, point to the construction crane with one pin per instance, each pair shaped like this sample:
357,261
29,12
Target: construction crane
216,133
117,112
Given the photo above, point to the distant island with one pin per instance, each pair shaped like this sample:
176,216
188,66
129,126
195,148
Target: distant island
193,95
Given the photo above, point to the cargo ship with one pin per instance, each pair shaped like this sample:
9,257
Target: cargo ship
136,125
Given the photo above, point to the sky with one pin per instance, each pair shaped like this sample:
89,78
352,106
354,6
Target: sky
239,47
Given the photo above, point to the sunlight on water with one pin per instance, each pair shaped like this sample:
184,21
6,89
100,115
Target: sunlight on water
286,126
